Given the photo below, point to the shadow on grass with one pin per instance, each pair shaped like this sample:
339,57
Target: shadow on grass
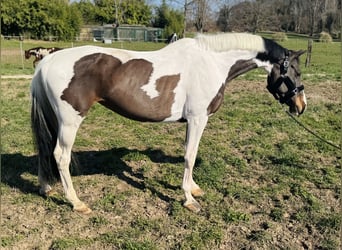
108,162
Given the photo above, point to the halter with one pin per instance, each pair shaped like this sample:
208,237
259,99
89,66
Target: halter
292,89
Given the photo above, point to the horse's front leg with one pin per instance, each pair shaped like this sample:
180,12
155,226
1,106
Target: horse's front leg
35,62
195,129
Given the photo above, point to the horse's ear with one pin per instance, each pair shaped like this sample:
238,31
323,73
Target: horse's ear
299,53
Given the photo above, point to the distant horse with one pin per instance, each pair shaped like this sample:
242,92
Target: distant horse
172,38
39,53
185,81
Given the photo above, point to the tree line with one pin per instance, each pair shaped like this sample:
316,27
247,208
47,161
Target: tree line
39,19
300,16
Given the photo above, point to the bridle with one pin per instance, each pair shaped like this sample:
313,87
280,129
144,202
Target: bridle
292,89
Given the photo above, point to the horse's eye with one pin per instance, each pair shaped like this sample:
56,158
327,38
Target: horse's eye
298,73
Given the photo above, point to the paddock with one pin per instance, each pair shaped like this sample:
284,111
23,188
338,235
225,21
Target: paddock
262,188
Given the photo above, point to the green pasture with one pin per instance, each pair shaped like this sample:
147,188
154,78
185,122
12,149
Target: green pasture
269,184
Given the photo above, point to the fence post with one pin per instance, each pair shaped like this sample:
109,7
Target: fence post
308,56
21,54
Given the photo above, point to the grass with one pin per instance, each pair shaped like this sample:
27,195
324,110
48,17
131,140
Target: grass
259,172
268,184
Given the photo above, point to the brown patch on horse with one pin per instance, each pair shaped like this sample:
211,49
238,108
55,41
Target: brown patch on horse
240,67
105,79
216,101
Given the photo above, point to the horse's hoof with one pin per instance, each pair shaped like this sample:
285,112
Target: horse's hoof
193,206
197,192
82,209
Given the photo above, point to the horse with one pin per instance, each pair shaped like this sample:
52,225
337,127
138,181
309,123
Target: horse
172,38
39,53
182,82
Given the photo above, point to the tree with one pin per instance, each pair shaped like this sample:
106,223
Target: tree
40,19
241,17
223,18
315,11
201,14
123,12
104,11
87,9
12,17
168,19
197,12
136,12
301,16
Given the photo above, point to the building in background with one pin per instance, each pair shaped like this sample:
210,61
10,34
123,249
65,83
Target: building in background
109,33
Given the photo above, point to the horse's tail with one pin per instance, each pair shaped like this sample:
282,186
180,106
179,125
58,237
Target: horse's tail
44,127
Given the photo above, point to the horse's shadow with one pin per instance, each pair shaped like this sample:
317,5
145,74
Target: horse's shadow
109,162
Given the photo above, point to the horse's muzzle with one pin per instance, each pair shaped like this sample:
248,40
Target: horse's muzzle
299,104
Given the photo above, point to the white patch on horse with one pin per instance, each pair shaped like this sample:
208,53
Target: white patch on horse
158,72
150,87
267,65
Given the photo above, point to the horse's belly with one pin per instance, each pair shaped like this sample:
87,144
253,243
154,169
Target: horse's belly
141,110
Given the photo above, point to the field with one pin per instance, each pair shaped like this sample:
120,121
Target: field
269,184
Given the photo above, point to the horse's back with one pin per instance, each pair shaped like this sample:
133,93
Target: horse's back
57,69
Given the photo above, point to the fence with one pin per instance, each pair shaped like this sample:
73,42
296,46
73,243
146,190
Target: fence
13,60
13,48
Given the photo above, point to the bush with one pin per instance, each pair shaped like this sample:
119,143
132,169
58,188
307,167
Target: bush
279,37
325,37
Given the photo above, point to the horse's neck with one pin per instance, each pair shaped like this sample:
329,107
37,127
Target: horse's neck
242,46
244,62
33,52
240,67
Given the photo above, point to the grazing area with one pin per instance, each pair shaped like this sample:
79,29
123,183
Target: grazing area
267,182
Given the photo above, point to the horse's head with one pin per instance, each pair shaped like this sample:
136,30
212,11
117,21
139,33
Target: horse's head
27,54
284,82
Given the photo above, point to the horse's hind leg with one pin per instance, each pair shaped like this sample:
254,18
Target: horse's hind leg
45,188
62,154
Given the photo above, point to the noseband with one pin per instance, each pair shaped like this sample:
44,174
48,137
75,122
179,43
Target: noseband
292,89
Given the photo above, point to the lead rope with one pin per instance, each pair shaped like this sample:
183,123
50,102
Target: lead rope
310,131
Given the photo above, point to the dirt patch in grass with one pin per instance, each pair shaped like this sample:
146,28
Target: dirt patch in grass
268,185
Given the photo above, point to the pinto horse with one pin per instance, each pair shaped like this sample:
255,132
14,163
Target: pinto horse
184,81
39,53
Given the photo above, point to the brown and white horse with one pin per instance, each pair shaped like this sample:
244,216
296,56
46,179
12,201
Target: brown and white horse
39,53
185,81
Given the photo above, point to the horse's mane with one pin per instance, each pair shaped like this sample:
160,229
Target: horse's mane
230,41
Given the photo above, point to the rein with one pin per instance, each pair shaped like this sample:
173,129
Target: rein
311,131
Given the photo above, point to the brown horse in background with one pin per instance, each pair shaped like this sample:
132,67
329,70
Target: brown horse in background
39,53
